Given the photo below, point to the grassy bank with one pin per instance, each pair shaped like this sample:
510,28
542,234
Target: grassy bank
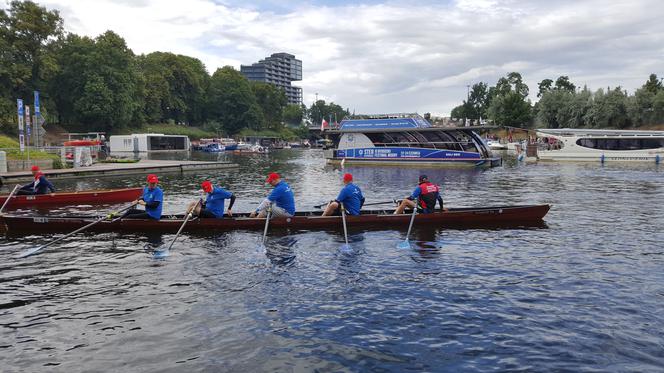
193,133
13,153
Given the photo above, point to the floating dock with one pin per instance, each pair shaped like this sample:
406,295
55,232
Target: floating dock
115,169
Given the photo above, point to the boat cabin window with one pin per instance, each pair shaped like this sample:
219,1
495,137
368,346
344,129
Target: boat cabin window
166,143
444,140
621,143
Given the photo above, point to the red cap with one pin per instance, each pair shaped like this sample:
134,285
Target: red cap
152,178
207,186
348,177
35,168
271,177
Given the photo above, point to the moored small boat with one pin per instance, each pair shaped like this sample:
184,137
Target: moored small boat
484,217
88,197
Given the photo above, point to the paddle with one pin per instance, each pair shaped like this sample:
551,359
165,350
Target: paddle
8,198
267,222
406,244
158,254
346,247
366,204
35,250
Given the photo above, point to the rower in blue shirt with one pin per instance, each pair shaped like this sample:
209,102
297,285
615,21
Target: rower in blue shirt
152,199
350,197
281,199
213,207
40,185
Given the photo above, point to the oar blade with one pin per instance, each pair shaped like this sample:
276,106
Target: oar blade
404,245
346,249
161,254
30,252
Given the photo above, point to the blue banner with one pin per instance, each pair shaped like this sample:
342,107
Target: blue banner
392,123
37,109
405,153
21,116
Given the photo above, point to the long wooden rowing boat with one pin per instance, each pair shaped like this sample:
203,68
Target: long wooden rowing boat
88,197
500,216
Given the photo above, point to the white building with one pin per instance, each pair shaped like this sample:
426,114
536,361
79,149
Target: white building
148,142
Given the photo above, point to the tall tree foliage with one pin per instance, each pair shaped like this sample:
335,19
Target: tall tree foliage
330,112
175,87
26,31
509,103
98,83
232,102
272,102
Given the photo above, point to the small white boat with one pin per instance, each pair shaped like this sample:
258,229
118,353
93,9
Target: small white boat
600,145
495,145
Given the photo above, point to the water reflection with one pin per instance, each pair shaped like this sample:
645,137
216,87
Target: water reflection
280,250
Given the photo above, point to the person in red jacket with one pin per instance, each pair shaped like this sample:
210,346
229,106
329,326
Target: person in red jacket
426,193
40,185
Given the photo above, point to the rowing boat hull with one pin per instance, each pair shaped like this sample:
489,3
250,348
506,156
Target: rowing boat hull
88,197
501,216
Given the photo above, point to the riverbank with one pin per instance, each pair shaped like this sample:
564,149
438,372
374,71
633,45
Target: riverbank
115,169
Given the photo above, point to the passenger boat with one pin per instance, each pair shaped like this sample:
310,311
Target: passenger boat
600,145
483,217
88,197
407,139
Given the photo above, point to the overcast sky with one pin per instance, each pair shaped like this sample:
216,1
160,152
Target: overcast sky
380,57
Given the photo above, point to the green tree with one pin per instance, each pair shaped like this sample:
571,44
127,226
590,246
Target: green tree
509,106
330,112
563,84
26,31
272,102
609,110
232,102
294,114
653,85
544,86
97,85
175,87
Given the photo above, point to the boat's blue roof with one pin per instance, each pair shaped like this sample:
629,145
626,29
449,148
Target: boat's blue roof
383,123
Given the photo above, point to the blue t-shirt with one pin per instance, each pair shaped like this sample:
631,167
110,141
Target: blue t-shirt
282,195
215,201
153,195
351,197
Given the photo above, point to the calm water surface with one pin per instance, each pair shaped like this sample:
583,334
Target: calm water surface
586,293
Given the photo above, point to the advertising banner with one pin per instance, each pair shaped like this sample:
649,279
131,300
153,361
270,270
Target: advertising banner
21,115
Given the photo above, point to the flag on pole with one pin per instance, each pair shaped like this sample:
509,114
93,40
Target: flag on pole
323,124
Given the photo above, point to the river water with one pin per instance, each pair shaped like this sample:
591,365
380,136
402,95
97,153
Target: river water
584,293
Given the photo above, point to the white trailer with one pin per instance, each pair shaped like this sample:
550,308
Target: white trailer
148,142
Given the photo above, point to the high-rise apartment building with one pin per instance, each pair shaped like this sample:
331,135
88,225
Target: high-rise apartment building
279,69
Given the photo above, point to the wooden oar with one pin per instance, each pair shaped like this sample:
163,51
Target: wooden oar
267,222
35,250
345,247
165,252
8,198
406,244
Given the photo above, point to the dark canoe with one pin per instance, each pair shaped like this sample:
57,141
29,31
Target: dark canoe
84,197
500,216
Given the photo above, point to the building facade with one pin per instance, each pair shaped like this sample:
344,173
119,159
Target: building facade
279,69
